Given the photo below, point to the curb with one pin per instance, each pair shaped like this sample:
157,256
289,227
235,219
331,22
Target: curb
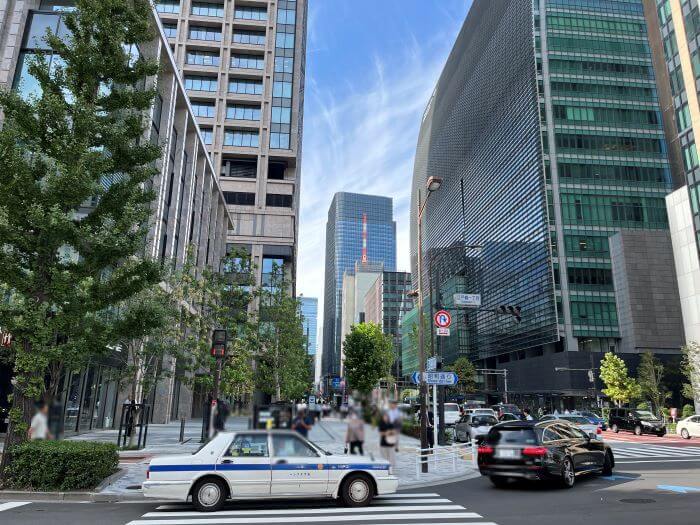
444,481
68,497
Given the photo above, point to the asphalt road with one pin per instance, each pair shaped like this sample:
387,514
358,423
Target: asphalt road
645,490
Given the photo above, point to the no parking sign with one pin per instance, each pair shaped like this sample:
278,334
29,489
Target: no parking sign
443,319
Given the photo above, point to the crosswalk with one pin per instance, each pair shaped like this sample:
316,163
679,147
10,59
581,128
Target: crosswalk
655,451
394,509
13,505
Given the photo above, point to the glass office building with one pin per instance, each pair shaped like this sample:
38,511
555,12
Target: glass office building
544,158
309,311
360,228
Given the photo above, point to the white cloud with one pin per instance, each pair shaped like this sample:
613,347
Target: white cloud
361,137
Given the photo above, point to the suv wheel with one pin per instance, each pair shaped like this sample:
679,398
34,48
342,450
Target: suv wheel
568,476
637,430
615,428
209,495
685,434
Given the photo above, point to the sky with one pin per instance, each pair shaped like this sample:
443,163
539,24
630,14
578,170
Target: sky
371,66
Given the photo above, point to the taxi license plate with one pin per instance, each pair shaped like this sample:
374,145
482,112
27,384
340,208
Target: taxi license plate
507,453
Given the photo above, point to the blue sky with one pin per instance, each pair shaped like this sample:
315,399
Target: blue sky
371,66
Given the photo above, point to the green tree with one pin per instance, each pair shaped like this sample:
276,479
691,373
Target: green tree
618,385
77,140
283,366
650,375
369,355
690,366
466,374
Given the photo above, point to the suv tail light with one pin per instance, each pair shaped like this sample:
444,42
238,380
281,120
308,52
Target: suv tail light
485,449
535,451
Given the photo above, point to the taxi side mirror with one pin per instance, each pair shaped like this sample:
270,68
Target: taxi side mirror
592,436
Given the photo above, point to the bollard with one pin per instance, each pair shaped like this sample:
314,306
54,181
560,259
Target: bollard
182,429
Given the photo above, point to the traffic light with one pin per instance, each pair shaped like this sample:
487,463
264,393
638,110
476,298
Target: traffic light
218,346
510,310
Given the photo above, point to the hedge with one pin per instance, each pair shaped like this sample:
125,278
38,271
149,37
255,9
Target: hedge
61,465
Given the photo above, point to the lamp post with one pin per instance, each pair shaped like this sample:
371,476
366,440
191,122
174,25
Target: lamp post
432,184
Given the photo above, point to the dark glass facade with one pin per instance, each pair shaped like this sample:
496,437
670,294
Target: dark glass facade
546,130
349,215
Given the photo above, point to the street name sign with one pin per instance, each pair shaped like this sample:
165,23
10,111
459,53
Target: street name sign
436,378
467,300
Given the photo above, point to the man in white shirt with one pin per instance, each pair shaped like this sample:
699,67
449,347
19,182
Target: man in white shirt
39,427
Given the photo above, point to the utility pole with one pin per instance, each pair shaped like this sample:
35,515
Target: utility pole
218,350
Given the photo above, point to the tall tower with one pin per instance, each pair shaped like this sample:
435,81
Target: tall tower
243,65
360,229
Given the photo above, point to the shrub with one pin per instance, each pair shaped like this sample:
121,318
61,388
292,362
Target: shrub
643,406
410,429
688,410
61,465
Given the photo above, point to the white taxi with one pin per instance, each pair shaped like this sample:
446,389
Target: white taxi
256,464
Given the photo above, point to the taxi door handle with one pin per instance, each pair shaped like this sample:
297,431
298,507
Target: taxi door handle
281,462
227,461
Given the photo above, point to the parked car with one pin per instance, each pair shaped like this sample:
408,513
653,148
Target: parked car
452,414
482,411
474,426
508,417
689,427
540,450
578,421
594,418
638,421
257,464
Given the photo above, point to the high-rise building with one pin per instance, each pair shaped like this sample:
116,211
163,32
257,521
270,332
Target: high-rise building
189,209
243,64
386,303
309,311
546,129
360,228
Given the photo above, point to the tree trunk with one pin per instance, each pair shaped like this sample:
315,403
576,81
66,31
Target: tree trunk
16,434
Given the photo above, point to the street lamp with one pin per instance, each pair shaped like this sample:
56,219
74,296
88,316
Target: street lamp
432,184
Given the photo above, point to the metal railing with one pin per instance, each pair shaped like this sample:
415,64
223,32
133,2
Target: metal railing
446,456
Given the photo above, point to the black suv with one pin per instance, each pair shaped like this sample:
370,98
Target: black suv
638,421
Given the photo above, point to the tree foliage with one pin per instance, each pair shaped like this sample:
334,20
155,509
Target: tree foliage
74,212
650,376
369,356
690,365
283,365
466,374
618,385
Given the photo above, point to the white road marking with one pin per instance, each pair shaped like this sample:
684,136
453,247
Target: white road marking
13,504
391,502
328,510
627,462
406,495
314,519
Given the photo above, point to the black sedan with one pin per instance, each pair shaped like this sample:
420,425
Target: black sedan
542,450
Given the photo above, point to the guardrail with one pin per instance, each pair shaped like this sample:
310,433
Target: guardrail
446,455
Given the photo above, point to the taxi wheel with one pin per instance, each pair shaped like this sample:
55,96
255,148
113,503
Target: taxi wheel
685,434
209,495
356,491
608,464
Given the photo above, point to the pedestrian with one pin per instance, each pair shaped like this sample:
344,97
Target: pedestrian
39,426
387,439
355,434
222,412
430,425
526,415
302,423
396,419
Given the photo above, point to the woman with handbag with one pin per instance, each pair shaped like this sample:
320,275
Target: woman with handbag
388,439
355,435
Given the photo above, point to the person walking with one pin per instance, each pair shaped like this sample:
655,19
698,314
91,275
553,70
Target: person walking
39,427
527,416
396,419
355,434
302,423
387,439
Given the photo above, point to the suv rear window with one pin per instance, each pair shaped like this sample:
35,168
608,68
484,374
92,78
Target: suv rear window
511,436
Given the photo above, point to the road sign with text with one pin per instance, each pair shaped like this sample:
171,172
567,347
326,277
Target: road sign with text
467,300
442,331
436,378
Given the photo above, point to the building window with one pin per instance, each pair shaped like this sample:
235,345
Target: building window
203,58
207,9
278,201
246,169
286,16
256,38
248,139
281,115
207,135
239,198
275,171
690,156
251,13
245,87
199,83
168,6
205,33
248,61
170,30
243,112
204,109
279,140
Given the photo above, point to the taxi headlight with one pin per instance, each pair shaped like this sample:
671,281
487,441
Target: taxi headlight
391,470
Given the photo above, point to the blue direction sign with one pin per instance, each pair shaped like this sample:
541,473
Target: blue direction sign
436,378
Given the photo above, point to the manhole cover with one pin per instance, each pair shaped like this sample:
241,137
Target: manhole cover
638,500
